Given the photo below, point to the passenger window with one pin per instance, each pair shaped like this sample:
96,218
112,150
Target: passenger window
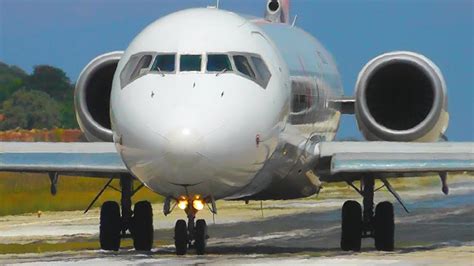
218,63
262,71
190,63
243,66
164,63
142,67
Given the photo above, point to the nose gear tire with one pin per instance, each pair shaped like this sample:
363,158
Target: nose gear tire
200,237
181,237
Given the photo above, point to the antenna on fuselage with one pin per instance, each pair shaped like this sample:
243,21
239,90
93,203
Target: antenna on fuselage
294,21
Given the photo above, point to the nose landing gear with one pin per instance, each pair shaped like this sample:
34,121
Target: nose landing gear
193,235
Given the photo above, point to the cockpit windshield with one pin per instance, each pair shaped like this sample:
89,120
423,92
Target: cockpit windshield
218,63
164,63
190,63
248,65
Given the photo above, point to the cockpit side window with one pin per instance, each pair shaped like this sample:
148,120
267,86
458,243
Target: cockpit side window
262,71
243,66
165,63
218,63
142,66
137,66
190,63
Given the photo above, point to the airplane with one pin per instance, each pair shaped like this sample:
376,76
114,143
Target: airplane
206,105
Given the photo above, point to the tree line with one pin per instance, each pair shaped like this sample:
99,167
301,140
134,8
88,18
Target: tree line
42,99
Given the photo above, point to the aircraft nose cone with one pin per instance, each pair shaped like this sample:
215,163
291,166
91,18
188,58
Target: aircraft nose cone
184,141
183,147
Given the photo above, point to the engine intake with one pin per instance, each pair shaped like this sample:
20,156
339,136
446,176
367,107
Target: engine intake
92,97
401,96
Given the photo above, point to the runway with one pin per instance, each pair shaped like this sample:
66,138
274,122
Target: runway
437,231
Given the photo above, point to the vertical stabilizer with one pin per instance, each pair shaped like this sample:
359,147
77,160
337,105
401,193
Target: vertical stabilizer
285,6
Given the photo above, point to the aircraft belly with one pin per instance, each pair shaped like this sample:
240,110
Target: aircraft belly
282,177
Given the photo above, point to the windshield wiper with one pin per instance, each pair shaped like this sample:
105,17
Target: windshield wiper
160,72
221,72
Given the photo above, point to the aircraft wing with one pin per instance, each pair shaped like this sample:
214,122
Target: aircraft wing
346,161
99,159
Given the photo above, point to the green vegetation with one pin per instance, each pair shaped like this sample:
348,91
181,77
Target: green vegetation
53,247
44,99
12,78
30,109
30,193
76,245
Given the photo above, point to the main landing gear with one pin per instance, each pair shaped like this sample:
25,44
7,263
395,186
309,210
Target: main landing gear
115,224
193,234
358,223
119,221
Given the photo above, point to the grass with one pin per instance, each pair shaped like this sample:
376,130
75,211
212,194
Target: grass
53,247
77,245
30,193
343,190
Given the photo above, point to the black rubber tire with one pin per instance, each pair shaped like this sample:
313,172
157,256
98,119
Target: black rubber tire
110,226
384,227
351,226
142,226
181,237
200,237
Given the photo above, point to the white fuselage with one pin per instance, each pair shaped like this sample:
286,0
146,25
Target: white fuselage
206,133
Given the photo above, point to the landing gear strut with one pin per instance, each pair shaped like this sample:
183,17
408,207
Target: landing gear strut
126,202
115,224
192,235
358,223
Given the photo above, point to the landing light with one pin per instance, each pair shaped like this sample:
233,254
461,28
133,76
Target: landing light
198,204
182,204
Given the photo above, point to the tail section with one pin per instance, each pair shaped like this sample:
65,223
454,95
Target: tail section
285,6
278,11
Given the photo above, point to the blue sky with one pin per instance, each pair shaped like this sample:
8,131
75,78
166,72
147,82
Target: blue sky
69,33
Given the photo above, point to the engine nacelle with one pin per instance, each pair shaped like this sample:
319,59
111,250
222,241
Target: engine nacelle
278,11
92,97
401,96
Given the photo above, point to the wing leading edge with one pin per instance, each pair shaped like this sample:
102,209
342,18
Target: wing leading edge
91,159
343,161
